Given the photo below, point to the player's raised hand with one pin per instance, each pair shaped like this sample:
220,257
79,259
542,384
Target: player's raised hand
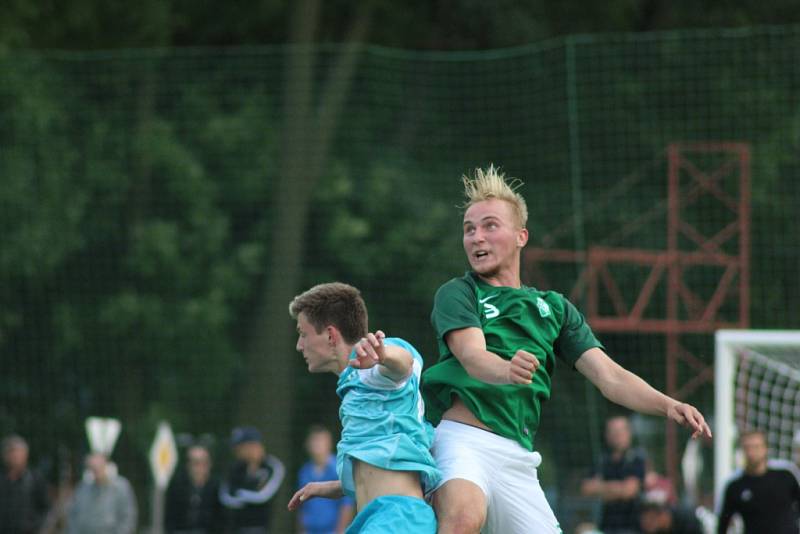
369,351
522,367
690,417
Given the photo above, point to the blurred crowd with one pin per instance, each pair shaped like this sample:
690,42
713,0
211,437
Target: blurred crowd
634,499
197,500
763,496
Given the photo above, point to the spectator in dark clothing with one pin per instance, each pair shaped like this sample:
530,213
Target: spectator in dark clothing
766,494
618,479
192,505
658,516
252,482
23,493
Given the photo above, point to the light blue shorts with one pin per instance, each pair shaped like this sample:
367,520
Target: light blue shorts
391,514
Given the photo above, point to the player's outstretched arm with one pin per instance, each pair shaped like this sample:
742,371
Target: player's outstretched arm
627,389
469,346
394,362
331,489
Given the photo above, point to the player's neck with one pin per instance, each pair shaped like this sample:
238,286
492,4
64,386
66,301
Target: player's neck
342,358
15,473
618,454
509,278
756,469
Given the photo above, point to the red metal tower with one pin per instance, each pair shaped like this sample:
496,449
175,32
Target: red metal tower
713,172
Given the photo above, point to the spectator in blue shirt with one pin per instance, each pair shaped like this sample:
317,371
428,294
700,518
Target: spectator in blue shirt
322,516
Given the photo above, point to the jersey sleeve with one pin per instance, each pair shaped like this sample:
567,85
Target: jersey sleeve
575,336
454,307
373,378
726,510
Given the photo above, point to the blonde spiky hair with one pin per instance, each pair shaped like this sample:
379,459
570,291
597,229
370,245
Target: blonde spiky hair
492,183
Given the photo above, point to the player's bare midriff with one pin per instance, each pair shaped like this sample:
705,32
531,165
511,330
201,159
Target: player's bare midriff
373,482
459,413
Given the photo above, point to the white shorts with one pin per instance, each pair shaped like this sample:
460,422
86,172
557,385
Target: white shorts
505,472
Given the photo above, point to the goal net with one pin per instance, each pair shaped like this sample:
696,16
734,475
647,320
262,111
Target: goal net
757,386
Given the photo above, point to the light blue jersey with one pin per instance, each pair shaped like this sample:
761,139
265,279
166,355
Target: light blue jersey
383,423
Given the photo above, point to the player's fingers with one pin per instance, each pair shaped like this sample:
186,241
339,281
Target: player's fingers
530,359
702,427
380,335
369,349
296,500
524,354
523,368
695,420
520,375
372,340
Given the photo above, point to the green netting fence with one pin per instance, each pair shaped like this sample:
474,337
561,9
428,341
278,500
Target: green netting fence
159,208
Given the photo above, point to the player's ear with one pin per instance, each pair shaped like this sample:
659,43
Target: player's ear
522,237
333,334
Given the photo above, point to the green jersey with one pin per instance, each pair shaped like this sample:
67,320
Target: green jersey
543,323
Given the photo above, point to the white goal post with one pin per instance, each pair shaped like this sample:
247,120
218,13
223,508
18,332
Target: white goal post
730,346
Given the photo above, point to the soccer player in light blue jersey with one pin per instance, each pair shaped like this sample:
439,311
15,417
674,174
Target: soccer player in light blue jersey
383,457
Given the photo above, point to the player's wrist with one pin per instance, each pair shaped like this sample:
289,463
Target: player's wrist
508,375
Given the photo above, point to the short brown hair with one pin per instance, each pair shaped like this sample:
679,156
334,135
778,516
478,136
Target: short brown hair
334,304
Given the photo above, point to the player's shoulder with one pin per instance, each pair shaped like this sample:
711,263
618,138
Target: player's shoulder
733,479
635,455
459,283
784,466
459,287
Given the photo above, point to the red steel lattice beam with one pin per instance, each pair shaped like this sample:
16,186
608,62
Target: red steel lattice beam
596,278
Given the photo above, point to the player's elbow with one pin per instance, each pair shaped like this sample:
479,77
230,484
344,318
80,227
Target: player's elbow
613,384
403,366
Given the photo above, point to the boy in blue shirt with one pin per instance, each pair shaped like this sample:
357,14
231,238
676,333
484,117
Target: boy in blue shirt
322,516
383,457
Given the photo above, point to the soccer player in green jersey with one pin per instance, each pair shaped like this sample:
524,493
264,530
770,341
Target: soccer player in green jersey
498,341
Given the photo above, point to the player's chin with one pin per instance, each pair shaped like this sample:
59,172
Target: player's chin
484,269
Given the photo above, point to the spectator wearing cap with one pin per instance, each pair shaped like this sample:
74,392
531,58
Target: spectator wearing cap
252,481
658,516
23,493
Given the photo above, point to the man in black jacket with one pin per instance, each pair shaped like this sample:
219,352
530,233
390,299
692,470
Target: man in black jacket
766,494
252,482
192,501
23,493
